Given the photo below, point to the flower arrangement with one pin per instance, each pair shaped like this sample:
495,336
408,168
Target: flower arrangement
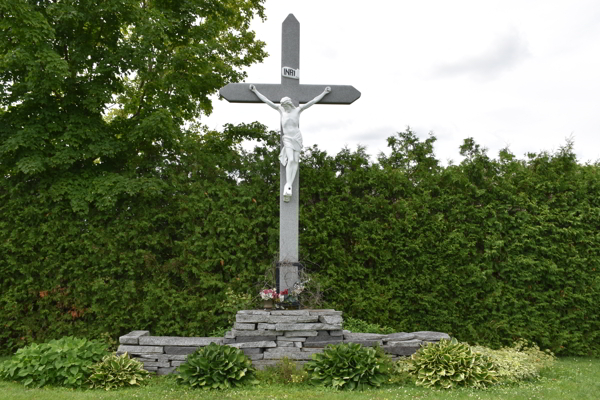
298,288
271,294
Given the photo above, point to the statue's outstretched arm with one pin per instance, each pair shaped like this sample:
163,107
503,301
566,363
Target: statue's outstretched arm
316,99
263,98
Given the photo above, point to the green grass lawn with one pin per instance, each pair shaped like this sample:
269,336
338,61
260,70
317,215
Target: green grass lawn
570,378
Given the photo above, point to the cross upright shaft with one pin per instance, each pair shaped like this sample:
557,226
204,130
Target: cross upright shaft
300,94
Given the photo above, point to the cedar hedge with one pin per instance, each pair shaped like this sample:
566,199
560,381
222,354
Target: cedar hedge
489,250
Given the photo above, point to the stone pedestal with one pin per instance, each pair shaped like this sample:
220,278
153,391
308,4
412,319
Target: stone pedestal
267,337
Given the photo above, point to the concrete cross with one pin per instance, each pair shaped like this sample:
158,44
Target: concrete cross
290,86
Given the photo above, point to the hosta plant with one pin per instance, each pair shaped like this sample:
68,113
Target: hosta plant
449,364
65,362
118,371
216,367
348,366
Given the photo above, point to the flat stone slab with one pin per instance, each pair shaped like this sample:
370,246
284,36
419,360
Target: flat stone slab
163,364
229,335
180,350
255,357
163,357
364,336
244,327
237,333
336,333
285,344
431,336
331,319
165,371
283,350
307,327
252,318
401,350
177,363
254,312
139,349
324,338
252,350
245,339
266,327
178,341
133,337
249,345
400,336
290,339
273,319
301,333
291,312
405,343
321,344
325,312
313,350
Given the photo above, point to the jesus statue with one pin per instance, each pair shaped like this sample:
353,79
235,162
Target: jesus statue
292,138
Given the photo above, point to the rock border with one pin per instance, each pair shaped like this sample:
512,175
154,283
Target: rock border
269,336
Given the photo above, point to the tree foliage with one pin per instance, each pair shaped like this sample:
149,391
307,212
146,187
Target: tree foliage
95,94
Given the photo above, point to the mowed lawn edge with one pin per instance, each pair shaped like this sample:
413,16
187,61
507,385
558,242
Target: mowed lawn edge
570,378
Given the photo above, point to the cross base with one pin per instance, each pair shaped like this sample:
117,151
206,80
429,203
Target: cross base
286,274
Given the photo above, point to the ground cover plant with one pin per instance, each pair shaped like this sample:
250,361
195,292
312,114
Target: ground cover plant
65,362
118,371
521,361
349,366
569,378
285,371
449,364
216,367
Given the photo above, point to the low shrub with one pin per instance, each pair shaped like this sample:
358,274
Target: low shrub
400,374
449,364
216,367
65,362
285,371
522,361
118,371
348,366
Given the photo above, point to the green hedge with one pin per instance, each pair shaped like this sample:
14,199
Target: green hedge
489,250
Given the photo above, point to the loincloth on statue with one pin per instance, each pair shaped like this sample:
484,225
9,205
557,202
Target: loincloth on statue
290,142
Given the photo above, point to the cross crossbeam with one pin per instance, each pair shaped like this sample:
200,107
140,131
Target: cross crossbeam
289,86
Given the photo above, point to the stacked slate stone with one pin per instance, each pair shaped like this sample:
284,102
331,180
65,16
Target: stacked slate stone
266,337
161,354
396,345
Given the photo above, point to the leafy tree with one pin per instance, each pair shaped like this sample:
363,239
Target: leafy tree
94,93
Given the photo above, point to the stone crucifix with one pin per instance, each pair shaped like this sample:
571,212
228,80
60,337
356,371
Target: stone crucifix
290,94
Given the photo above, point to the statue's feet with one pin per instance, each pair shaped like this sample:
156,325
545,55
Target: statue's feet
287,193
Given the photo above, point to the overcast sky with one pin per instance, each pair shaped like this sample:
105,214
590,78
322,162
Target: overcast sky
523,74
